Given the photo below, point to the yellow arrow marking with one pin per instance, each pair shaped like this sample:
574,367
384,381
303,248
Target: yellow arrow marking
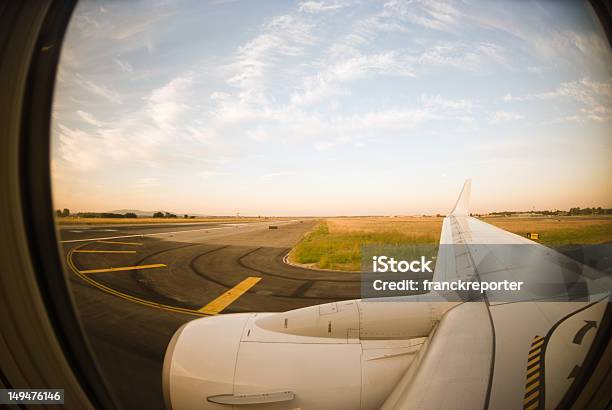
230,296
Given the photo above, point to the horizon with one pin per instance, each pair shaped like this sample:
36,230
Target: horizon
332,107
180,215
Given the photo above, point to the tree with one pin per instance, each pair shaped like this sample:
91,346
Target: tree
186,216
158,214
130,215
58,212
66,212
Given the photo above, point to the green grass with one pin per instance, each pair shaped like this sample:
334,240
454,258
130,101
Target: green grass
560,231
577,236
342,250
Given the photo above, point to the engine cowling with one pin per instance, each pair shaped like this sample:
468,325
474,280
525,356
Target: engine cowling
342,355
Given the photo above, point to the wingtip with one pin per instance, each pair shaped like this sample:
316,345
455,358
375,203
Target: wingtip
462,206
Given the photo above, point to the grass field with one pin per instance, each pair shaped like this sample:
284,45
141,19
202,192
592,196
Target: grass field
565,230
336,243
72,220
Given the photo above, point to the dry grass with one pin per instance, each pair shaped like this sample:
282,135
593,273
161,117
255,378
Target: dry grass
559,230
421,229
336,243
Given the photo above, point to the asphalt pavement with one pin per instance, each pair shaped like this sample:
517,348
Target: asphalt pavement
135,285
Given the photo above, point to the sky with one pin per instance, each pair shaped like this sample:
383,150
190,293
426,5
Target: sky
332,107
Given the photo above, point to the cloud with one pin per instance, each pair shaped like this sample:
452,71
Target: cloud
98,89
282,36
166,104
502,116
461,55
153,134
137,24
437,101
89,119
437,15
316,7
593,98
124,66
78,148
329,81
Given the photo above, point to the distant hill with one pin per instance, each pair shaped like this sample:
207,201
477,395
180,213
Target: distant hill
135,211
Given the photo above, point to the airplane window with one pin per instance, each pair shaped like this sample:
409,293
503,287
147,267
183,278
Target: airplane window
267,203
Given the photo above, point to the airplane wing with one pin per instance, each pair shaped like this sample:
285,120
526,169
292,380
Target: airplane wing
531,348
505,349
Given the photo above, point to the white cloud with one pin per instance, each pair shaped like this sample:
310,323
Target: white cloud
436,101
136,24
89,119
98,89
593,97
328,82
124,66
166,104
501,116
283,36
315,7
472,57
438,15
79,149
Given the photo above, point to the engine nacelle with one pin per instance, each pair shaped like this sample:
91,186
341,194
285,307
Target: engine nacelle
342,355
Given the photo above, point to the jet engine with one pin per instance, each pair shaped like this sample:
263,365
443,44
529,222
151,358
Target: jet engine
342,355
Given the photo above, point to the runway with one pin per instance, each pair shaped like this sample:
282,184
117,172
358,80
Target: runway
135,285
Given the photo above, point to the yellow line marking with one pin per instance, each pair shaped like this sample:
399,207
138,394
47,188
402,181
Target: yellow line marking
537,344
535,359
122,243
533,376
535,386
531,397
536,367
96,251
534,353
122,268
125,296
230,296
532,384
